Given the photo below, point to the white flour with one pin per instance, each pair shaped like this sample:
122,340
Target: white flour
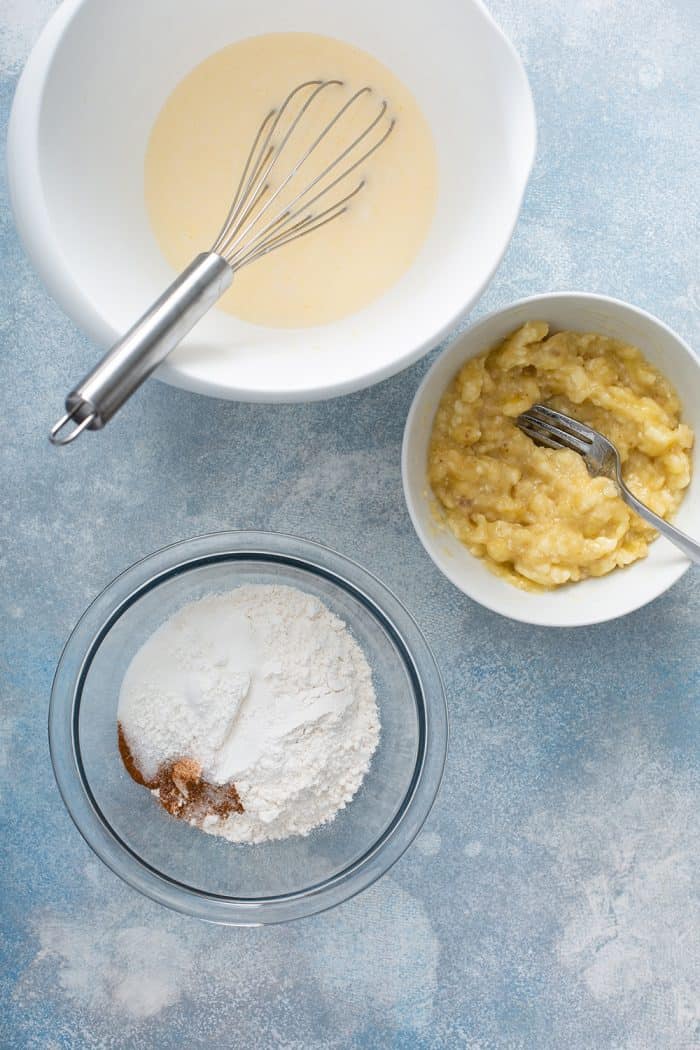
265,687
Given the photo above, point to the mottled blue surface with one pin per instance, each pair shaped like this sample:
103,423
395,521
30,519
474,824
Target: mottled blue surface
552,899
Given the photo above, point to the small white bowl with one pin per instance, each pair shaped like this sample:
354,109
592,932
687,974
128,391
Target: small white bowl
85,105
592,600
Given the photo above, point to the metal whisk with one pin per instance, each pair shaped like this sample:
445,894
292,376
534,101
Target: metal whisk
263,217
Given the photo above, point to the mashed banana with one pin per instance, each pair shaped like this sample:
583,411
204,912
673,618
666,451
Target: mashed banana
534,514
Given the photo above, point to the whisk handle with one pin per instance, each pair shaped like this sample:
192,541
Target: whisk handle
93,402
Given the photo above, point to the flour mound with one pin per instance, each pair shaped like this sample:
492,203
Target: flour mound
263,687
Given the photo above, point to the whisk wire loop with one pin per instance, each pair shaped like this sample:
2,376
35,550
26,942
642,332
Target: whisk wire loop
289,214
245,236
269,155
300,229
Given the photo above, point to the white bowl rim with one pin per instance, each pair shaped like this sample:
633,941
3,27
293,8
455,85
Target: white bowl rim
674,573
42,246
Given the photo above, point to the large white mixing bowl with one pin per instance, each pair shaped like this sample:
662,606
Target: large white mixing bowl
84,108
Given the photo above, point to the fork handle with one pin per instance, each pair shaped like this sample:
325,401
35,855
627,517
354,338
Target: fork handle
690,548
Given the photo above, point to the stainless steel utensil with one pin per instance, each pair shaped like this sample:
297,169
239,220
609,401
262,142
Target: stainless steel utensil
555,430
254,226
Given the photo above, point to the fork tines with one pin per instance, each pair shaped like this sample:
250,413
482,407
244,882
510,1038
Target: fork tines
555,430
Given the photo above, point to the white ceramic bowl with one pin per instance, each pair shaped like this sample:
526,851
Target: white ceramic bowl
85,105
593,600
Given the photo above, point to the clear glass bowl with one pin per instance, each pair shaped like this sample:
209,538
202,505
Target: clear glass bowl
199,874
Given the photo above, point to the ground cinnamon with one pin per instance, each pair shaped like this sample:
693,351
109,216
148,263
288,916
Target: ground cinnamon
181,788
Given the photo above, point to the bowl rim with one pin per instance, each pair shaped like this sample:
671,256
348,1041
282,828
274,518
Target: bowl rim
182,556
41,244
414,500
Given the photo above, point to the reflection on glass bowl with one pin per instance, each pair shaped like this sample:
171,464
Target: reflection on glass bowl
174,863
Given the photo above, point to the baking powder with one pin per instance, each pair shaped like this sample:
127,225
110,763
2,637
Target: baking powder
264,687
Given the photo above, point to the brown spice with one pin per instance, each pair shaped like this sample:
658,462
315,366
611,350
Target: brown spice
181,788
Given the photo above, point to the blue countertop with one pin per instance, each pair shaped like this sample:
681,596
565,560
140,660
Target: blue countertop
552,899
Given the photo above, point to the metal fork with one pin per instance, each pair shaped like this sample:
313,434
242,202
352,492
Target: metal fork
555,430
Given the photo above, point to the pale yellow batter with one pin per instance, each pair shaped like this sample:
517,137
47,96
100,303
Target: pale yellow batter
198,148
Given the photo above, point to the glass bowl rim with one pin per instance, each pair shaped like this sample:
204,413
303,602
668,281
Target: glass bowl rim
126,589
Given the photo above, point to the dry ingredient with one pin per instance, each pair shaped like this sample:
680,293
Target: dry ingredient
251,714
181,789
